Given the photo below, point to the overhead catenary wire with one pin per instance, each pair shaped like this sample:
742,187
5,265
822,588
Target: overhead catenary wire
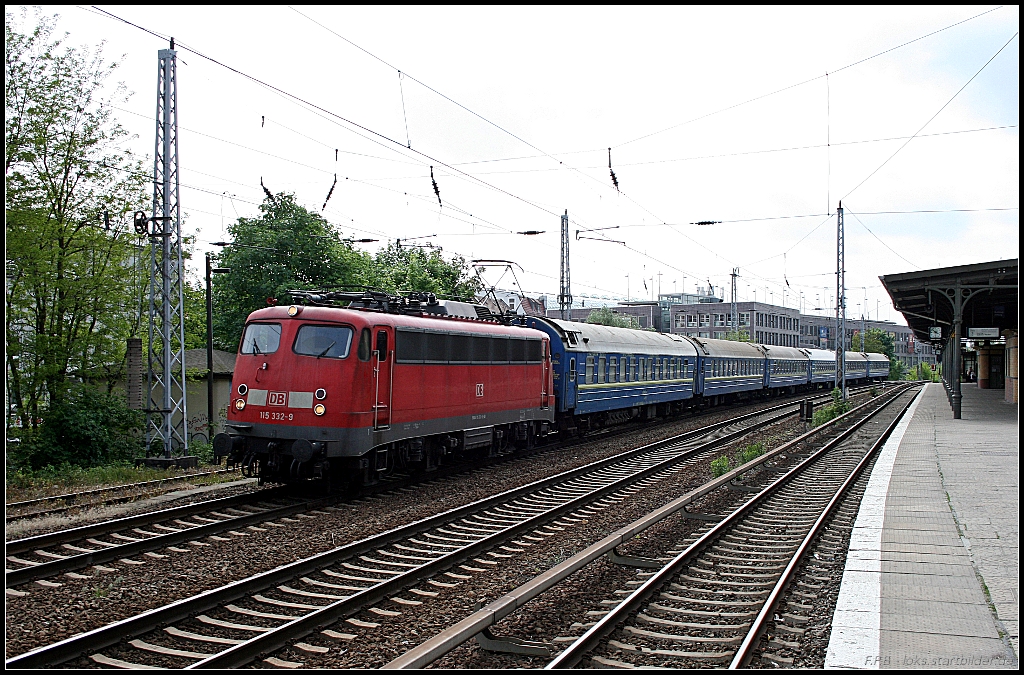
807,81
743,153
408,143
894,251
336,116
930,119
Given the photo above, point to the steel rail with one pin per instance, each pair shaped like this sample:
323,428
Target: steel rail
74,496
757,628
72,562
105,636
452,637
586,642
51,568
265,643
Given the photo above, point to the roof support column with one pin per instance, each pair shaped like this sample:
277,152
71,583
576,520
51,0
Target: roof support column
958,315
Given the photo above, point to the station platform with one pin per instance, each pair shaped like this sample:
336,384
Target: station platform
931,580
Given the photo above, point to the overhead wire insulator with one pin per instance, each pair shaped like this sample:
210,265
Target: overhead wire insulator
615,181
330,192
437,190
266,191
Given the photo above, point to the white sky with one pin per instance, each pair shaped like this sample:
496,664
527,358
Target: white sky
574,81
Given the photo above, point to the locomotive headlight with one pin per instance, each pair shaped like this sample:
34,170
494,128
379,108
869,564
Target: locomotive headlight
293,310
240,404
320,394
242,389
319,409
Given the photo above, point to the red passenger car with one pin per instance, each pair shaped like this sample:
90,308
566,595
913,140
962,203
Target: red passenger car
353,394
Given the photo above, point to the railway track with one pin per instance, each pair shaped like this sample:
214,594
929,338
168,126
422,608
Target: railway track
710,605
729,595
48,555
237,623
78,500
124,539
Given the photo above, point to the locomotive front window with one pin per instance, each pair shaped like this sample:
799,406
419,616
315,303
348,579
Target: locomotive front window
330,342
261,338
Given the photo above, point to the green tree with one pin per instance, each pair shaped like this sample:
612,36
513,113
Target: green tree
924,371
287,247
897,369
403,269
606,317
73,285
878,341
742,336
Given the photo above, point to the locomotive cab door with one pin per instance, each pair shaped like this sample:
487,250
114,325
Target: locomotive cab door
383,375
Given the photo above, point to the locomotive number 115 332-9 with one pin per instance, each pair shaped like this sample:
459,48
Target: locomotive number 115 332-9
266,415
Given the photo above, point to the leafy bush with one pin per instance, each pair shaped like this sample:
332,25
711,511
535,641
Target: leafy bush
84,428
828,413
720,466
204,451
752,451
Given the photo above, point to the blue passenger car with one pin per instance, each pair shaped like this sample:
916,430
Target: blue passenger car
727,367
856,366
787,367
608,373
823,367
878,366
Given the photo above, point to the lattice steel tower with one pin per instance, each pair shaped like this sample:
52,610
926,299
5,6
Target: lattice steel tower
735,316
840,303
166,414
564,294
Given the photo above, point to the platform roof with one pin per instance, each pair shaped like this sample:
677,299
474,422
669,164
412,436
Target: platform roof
925,297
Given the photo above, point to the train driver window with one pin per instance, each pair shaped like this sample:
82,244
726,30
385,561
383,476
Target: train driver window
323,341
364,345
261,338
572,370
382,345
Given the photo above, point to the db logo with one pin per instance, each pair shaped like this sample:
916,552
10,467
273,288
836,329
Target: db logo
479,390
277,398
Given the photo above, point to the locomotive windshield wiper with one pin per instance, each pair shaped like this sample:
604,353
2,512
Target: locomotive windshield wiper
329,347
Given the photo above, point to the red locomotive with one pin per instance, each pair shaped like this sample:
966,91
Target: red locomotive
352,394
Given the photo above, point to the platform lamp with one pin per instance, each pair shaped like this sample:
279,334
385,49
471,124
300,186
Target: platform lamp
210,271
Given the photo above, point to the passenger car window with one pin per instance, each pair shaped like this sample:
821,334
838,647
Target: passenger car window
261,338
331,342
